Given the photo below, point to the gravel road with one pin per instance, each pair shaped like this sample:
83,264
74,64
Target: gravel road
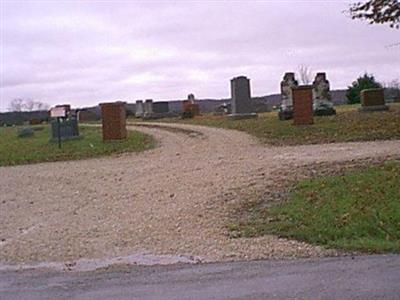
173,200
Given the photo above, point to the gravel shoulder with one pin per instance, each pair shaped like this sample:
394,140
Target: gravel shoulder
175,199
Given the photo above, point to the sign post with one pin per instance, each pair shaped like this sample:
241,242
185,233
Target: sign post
58,112
59,133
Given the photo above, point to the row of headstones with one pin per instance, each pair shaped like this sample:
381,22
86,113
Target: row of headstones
319,94
149,108
298,102
242,105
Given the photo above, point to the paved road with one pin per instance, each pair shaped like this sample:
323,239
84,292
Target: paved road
366,277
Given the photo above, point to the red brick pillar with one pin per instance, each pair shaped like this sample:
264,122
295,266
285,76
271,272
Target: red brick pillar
303,105
114,120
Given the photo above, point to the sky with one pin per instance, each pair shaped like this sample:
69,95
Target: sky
87,52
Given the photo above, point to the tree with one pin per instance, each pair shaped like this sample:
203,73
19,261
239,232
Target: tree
392,90
377,12
16,105
27,105
31,105
363,82
305,74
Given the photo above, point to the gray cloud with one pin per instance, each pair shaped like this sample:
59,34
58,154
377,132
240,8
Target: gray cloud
85,52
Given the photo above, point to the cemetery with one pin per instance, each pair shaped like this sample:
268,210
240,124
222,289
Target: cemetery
317,121
345,126
200,150
206,187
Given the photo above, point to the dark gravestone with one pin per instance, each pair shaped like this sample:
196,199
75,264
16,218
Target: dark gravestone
302,105
161,107
372,100
68,129
241,98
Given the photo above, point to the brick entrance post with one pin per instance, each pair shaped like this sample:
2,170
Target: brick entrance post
303,105
113,117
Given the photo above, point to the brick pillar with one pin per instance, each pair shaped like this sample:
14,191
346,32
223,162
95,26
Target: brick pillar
114,121
302,105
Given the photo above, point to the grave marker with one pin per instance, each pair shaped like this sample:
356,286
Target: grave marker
372,100
113,116
302,105
322,99
139,109
241,104
286,108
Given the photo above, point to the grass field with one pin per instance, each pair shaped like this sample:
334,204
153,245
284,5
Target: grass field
359,211
15,151
347,125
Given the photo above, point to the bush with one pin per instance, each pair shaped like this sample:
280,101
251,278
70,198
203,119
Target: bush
25,132
188,114
363,82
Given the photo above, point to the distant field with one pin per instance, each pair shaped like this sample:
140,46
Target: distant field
15,151
359,210
347,125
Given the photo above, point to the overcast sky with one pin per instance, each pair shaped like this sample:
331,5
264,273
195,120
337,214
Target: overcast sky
86,52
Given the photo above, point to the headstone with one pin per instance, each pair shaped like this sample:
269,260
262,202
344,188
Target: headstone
286,108
114,120
322,100
148,108
161,107
191,98
241,98
189,108
86,115
302,105
373,100
139,109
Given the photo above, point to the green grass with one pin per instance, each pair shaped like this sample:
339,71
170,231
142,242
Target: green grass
347,125
15,151
359,211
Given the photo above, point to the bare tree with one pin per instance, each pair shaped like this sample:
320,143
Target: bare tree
392,89
27,105
305,74
377,12
16,105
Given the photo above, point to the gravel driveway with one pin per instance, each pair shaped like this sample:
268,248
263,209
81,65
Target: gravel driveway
174,199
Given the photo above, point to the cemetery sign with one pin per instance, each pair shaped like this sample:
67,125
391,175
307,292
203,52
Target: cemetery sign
58,112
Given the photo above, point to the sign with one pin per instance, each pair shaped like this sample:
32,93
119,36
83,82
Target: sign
58,112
